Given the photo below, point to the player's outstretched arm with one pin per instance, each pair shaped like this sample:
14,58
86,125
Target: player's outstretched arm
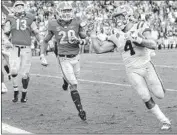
149,42
101,47
144,40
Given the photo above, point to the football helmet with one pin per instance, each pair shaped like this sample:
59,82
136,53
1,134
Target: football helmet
19,8
65,12
122,15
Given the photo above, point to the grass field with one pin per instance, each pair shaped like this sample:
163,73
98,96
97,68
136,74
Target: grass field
112,106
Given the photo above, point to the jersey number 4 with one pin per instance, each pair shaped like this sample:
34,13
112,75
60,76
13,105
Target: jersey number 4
128,47
21,24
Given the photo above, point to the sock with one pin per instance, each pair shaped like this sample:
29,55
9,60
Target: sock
159,114
65,82
16,92
76,99
24,95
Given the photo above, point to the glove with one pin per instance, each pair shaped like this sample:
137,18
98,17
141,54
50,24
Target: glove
74,40
134,37
43,60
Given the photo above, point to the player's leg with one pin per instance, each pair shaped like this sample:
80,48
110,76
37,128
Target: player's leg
76,67
5,59
25,69
14,62
68,73
138,82
156,87
4,88
154,82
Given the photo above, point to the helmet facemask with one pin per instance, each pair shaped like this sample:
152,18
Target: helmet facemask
65,14
19,9
120,21
122,16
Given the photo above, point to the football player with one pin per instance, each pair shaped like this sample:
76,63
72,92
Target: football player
133,40
5,57
20,26
68,32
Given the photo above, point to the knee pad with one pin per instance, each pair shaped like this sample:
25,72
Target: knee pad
150,104
25,82
14,72
14,75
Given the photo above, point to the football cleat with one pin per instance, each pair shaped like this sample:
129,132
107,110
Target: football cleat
166,125
15,96
82,115
43,60
65,85
23,100
15,100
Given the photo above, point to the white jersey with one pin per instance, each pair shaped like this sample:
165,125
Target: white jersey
133,56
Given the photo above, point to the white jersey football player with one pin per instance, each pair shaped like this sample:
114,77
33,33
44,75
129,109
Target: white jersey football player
133,41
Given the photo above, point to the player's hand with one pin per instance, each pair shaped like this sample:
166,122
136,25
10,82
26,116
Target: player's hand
43,60
74,40
134,37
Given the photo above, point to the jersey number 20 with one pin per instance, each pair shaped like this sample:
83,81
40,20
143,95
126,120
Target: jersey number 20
128,47
69,34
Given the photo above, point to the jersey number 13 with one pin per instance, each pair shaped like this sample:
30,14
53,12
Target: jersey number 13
21,24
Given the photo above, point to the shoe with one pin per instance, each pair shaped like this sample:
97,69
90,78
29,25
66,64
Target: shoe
82,115
166,125
15,96
4,88
23,100
65,85
15,100
43,60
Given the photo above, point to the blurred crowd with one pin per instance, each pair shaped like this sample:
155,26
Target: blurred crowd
161,16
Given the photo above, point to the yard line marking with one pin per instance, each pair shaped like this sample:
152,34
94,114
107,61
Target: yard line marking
13,130
100,82
110,63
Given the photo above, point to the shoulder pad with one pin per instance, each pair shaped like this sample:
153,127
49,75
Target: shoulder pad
30,15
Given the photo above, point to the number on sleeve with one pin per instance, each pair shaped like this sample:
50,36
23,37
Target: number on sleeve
128,46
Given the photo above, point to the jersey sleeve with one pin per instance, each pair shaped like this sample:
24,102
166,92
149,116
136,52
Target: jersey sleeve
143,27
50,33
9,18
114,38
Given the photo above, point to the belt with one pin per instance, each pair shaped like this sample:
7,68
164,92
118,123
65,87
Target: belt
19,49
67,56
20,46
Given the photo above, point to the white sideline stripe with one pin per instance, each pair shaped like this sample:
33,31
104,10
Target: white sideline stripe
10,129
100,82
109,63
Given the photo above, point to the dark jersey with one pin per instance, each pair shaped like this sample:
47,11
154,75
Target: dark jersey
21,29
63,36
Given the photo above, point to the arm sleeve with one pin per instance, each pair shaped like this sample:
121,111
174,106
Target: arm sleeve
48,36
